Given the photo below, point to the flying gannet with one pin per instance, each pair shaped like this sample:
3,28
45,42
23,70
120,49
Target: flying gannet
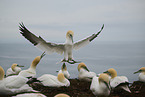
142,74
100,85
31,71
14,70
118,81
84,73
64,71
50,47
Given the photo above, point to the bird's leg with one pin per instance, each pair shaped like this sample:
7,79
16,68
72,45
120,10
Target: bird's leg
71,61
64,60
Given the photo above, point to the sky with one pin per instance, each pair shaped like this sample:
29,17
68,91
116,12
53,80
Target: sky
124,20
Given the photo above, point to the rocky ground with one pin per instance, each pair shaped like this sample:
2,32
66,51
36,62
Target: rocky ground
79,88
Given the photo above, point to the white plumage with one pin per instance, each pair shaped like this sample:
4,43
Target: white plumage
50,47
13,84
14,70
31,72
100,85
118,81
54,81
84,73
30,95
64,71
141,76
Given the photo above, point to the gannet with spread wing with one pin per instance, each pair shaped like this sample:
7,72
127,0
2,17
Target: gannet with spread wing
50,47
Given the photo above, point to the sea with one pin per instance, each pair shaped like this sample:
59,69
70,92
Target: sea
125,57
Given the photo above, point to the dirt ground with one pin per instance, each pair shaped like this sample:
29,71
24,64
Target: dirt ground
79,88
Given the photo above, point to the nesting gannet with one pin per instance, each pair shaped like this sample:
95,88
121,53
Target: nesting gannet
50,47
31,72
14,70
13,84
61,95
64,71
142,74
54,81
30,95
100,85
118,81
84,73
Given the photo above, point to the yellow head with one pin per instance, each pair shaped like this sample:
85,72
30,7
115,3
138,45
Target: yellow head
111,72
2,73
13,66
60,77
142,69
35,61
82,65
61,95
104,77
69,33
69,36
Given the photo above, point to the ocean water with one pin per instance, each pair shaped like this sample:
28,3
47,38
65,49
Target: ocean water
125,57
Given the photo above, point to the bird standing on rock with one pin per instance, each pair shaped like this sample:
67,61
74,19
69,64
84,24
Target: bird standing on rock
100,85
142,74
14,70
84,73
13,84
64,71
65,48
118,81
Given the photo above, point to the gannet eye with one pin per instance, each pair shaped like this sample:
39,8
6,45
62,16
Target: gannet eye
70,35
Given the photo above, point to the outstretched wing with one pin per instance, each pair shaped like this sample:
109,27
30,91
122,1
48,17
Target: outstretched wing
40,43
87,40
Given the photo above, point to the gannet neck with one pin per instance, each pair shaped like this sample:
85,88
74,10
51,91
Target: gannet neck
2,73
13,66
113,72
35,62
61,77
69,37
63,68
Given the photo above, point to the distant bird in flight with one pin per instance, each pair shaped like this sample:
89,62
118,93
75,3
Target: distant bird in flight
65,48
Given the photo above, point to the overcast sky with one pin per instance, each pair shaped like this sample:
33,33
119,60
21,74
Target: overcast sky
124,20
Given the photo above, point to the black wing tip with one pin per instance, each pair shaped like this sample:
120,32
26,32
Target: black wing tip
95,35
102,26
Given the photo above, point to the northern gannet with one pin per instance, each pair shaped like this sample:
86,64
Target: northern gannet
31,71
50,47
13,84
30,95
61,95
54,81
142,74
14,70
118,81
64,71
84,73
100,85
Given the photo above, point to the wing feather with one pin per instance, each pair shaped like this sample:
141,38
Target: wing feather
86,41
40,43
